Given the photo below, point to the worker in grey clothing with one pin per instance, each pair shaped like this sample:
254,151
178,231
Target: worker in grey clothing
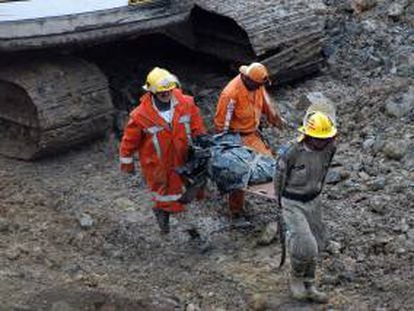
298,181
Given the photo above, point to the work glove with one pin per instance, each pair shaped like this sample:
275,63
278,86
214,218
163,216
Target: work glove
128,168
281,124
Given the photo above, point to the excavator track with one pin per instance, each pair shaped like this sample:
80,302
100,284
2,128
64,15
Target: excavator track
49,103
284,35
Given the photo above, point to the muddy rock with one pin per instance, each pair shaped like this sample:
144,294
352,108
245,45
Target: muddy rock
395,149
192,307
396,9
13,253
124,204
403,106
333,177
381,243
258,302
4,225
377,184
269,234
368,143
318,101
86,221
61,306
378,205
333,247
409,14
364,176
360,6
402,226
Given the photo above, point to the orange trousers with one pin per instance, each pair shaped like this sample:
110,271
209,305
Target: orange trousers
236,198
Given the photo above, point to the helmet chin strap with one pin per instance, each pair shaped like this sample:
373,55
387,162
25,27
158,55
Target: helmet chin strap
161,105
315,143
249,83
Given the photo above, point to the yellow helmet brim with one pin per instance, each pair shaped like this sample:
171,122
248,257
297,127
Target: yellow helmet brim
314,134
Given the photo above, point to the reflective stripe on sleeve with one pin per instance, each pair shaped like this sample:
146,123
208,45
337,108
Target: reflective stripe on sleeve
229,115
153,130
186,120
157,146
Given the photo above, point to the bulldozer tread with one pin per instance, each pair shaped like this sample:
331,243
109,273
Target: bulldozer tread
51,104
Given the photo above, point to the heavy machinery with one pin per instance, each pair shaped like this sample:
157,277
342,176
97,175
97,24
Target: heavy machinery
51,100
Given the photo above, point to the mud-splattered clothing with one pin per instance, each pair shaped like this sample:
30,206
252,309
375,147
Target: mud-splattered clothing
299,179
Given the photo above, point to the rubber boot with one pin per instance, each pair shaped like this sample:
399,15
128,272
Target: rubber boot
297,288
202,244
240,219
194,235
314,294
163,220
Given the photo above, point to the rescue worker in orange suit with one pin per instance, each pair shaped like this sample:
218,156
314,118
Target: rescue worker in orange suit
160,130
240,108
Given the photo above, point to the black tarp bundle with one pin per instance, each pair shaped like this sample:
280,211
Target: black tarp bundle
224,160
233,166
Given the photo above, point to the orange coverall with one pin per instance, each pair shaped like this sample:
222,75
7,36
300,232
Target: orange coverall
245,109
162,147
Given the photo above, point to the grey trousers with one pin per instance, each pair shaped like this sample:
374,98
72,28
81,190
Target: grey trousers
305,235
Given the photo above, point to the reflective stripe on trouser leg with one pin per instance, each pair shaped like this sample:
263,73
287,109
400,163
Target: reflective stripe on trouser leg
171,207
302,243
126,160
165,197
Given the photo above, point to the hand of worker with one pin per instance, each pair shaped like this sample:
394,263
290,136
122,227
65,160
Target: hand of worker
280,124
284,124
128,168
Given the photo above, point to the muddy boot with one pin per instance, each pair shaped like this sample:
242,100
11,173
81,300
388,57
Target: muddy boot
297,289
202,244
315,295
194,235
240,220
163,220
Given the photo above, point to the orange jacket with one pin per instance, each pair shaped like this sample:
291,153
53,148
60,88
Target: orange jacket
248,108
162,147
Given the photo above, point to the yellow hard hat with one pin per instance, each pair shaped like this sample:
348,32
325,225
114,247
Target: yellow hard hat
318,125
160,80
256,72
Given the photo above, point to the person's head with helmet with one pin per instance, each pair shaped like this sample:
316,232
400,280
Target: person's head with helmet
318,131
160,82
254,75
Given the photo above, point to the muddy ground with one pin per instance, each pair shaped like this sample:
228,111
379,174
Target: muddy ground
76,234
